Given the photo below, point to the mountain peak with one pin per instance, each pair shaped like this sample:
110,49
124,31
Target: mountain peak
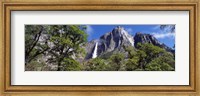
120,32
115,40
119,28
145,38
109,42
138,33
143,34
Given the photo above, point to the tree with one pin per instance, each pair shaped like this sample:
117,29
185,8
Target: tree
33,48
168,28
142,56
65,42
136,58
131,51
151,51
116,61
159,64
168,58
156,58
149,57
96,64
132,64
70,64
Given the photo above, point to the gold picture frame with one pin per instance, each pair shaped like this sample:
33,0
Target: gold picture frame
123,5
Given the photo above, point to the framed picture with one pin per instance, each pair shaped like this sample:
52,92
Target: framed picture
100,47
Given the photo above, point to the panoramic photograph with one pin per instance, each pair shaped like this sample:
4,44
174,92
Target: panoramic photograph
100,47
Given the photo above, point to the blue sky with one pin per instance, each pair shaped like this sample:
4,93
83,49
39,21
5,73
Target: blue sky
163,35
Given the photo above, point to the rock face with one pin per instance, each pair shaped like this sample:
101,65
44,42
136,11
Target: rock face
109,42
115,40
147,38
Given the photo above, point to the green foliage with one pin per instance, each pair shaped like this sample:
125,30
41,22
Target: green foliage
132,64
136,58
158,65
153,67
63,44
57,41
169,59
166,67
131,51
67,41
33,49
96,64
157,59
36,64
69,64
116,61
149,57
151,50
106,55
116,58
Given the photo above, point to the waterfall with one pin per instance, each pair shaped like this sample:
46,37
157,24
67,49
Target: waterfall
94,55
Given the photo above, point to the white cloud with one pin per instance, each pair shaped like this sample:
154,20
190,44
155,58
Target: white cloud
169,28
164,35
89,29
165,28
167,31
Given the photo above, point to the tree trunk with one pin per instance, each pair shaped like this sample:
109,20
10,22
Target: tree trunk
59,66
